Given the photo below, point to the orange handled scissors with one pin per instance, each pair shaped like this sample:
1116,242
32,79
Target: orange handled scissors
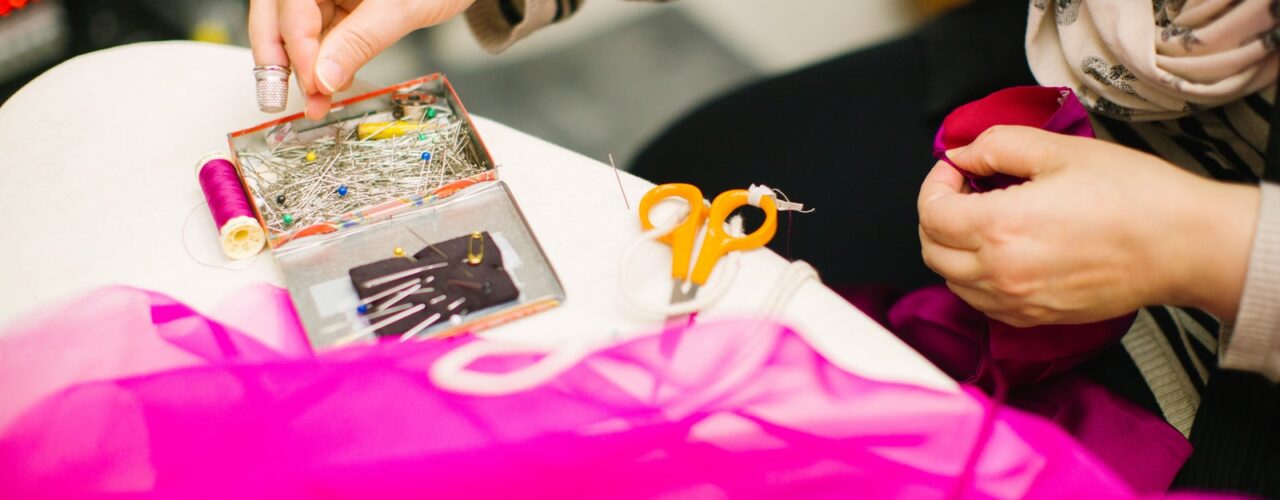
717,243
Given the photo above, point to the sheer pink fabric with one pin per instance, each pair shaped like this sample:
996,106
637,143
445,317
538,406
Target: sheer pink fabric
124,391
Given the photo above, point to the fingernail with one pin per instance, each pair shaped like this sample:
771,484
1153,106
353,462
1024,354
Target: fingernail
328,71
313,113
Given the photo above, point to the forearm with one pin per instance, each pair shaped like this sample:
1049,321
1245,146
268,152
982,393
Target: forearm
1216,239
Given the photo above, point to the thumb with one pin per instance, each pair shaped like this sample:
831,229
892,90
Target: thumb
1019,151
356,39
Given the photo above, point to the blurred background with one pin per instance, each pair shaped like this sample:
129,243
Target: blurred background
606,81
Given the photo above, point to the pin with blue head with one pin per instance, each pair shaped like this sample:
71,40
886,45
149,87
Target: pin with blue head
426,156
363,309
342,190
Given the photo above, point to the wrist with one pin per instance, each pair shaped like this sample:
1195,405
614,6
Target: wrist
1218,224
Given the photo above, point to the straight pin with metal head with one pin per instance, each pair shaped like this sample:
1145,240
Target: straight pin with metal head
374,327
426,323
402,274
399,296
386,293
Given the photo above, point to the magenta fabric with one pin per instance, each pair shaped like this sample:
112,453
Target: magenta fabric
954,336
1055,109
125,392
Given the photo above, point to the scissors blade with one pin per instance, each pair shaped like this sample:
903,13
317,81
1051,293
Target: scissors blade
679,295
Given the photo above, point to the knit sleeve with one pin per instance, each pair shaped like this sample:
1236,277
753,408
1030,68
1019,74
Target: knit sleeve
1253,343
498,24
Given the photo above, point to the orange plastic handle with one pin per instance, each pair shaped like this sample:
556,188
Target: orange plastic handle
718,242
683,236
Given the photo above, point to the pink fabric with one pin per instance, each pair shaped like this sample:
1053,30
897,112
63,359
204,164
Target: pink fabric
127,392
1055,109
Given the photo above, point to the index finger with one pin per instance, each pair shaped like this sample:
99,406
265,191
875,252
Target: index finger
300,24
264,35
949,214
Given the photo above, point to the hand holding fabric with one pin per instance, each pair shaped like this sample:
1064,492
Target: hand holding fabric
1097,231
326,41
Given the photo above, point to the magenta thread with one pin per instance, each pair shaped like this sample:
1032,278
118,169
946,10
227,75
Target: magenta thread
222,189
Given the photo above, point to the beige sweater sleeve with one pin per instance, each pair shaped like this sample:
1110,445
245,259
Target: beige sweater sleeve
499,23
1253,343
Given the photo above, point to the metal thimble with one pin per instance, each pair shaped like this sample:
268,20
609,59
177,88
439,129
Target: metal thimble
272,85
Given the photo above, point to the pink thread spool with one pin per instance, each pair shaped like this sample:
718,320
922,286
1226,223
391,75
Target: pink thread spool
238,229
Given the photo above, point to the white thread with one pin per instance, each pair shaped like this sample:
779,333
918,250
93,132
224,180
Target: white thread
717,284
450,371
784,204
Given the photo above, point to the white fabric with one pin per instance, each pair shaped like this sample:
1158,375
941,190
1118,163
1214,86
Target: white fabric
96,160
1153,59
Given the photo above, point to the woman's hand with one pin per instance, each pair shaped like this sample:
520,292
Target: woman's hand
326,41
1098,230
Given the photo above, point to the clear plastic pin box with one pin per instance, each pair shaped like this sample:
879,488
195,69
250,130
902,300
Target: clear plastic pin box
316,256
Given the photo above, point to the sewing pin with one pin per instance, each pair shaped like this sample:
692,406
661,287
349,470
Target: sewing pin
399,296
437,299
485,288
426,323
402,274
374,327
389,310
385,293
454,305
398,252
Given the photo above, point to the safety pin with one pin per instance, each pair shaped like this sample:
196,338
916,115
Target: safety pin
475,258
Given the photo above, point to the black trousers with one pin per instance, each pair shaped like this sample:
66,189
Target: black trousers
852,138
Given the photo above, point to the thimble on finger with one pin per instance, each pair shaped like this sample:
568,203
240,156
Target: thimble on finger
272,86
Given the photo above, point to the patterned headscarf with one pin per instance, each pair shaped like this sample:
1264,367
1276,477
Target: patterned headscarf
1142,61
